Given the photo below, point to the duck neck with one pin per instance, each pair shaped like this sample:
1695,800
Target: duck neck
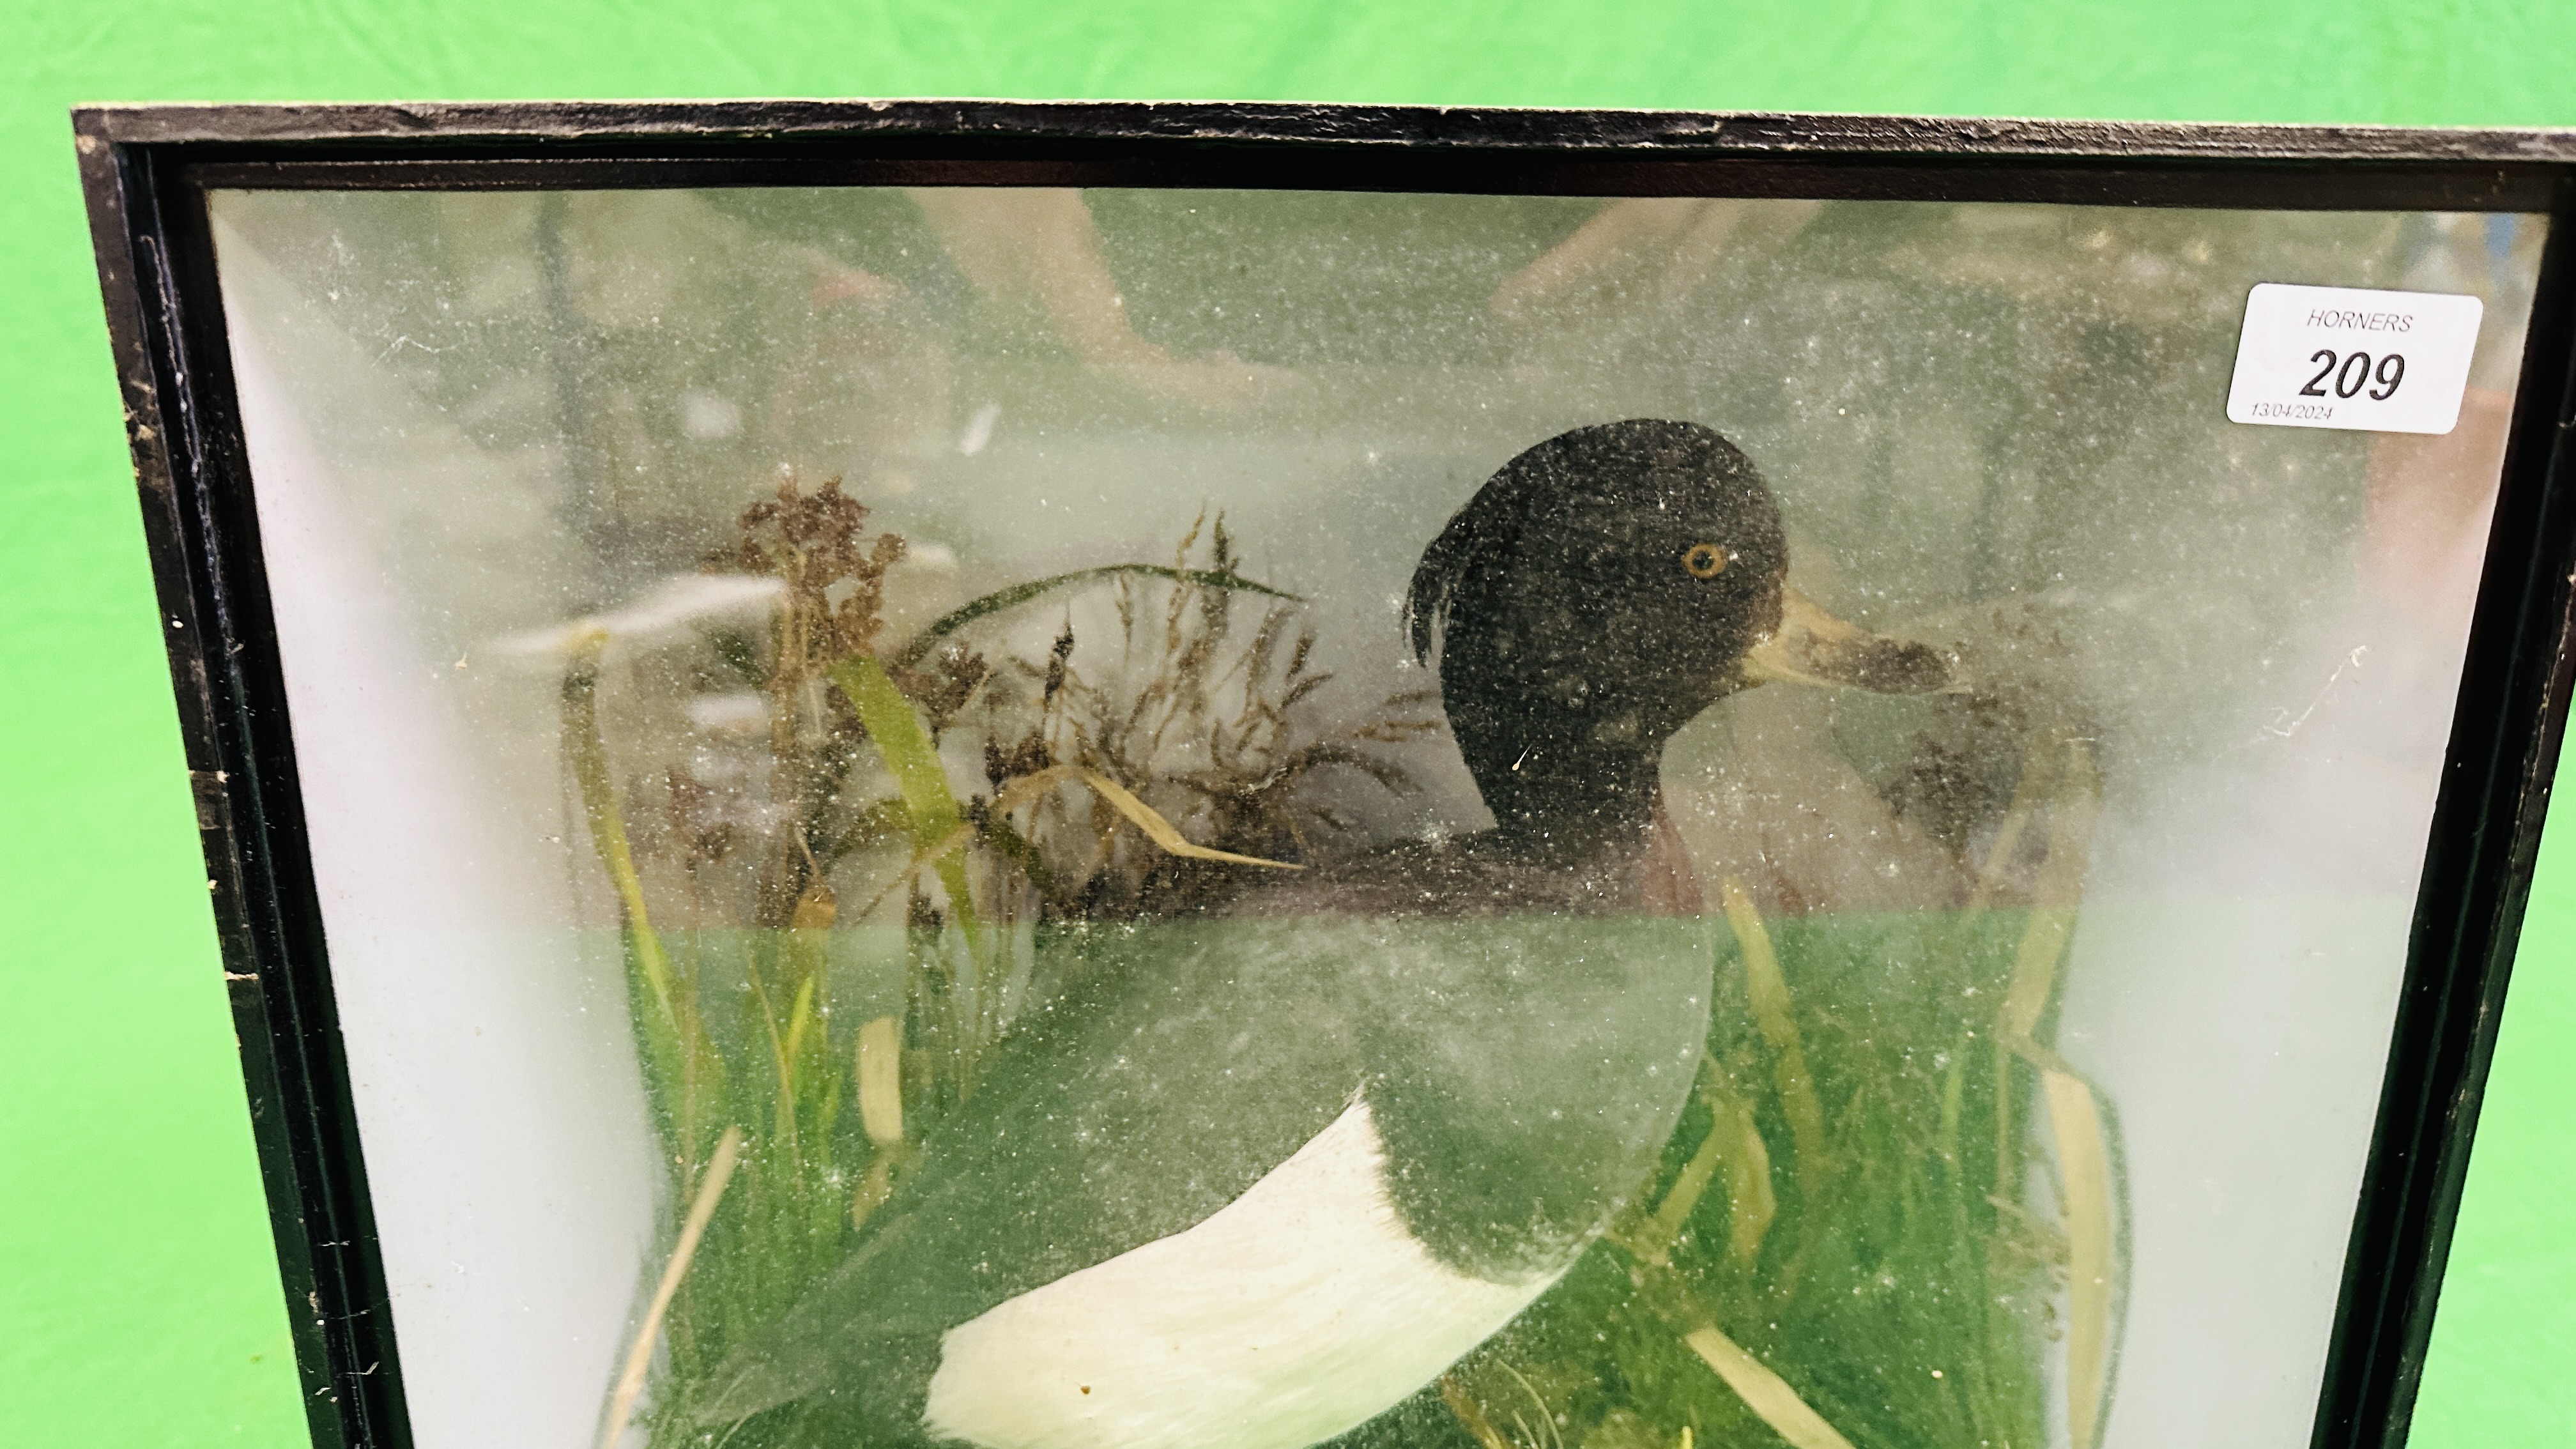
1569,807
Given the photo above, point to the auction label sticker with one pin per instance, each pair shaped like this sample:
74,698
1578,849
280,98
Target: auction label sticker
2350,357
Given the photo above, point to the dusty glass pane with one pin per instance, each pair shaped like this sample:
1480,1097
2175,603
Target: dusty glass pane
1166,818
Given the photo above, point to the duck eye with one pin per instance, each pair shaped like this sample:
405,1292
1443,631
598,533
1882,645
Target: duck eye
1706,561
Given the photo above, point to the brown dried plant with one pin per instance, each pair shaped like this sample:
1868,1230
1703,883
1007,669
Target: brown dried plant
817,545
1212,718
1204,716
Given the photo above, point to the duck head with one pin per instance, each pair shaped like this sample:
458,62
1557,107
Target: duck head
1598,593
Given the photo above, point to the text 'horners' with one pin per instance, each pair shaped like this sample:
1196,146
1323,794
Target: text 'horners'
2362,321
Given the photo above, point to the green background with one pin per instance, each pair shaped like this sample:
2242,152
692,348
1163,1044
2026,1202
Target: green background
138,1304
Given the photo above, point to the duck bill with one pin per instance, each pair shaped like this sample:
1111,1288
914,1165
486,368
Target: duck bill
1811,646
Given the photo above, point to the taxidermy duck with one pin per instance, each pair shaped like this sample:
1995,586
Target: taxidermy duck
1265,1175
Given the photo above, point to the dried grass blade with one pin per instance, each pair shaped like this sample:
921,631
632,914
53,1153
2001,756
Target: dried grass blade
1768,993
1688,1188
2034,980
1119,798
639,1356
1654,1238
1160,830
1028,788
874,1188
1750,1202
880,1074
1765,1392
2089,1201
2045,933
2092,1270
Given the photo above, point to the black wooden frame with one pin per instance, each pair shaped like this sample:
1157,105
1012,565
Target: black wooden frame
146,171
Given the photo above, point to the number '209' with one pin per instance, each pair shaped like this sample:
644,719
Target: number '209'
2352,372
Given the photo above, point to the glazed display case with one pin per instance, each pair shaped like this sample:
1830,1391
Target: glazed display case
1129,777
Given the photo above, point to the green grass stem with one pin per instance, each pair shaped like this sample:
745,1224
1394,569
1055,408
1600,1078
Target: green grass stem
999,600
938,824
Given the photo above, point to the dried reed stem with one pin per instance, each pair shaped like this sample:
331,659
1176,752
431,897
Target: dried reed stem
1161,831
1764,1392
2092,1268
1666,1224
2081,1137
2051,923
639,1358
1768,993
1030,787
1733,1143
1750,1202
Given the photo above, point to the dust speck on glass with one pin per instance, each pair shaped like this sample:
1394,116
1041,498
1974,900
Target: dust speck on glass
1145,819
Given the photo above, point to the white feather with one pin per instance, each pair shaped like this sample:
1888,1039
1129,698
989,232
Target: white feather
1299,1310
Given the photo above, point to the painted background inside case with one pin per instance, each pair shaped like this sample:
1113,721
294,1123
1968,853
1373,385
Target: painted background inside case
473,418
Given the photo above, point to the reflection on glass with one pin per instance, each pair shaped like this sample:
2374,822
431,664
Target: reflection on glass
1160,818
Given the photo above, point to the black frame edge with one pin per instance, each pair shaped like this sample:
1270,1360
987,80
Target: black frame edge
2507,727
285,1022
1803,135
